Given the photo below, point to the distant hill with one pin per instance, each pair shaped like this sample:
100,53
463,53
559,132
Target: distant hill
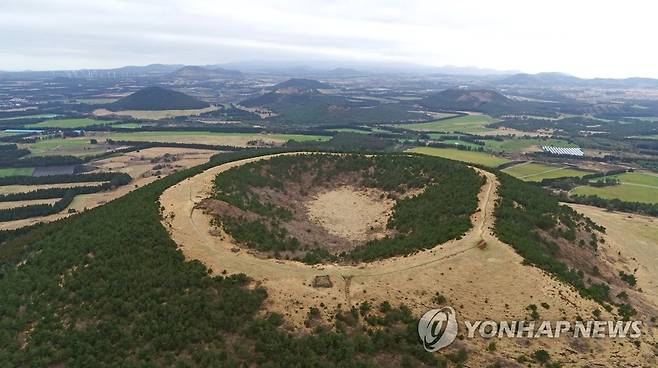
297,102
295,91
157,98
302,84
560,79
192,72
540,79
485,101
467,100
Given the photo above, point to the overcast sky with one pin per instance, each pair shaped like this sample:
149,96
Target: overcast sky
586,38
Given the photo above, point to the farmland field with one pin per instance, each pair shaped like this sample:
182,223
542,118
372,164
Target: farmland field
473,124
80,146
524,144
474,157
633,187
68,123
651,119
348,130
532,171
36,116
154,115
127,125
22,171
238,139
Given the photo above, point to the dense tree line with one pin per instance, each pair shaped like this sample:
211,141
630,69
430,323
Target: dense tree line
109,287
650,209
117,180
570,182
9,152
23,212
145,144
461,147
41,161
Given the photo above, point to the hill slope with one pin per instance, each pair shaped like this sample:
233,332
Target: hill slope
192,71
301,83
467,100
157,98
299,101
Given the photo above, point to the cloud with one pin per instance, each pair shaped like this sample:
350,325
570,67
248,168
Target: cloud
586,38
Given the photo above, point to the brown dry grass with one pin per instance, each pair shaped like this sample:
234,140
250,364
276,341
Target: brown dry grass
154,115
8,189
631,243
14,204
138,165
490,283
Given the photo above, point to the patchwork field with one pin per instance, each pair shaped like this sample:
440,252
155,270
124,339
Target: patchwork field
154,115
14,204
633,187
79,146
532,171
8,189
36,116
22,171
474,124
525,144
68,123
474,157
144,167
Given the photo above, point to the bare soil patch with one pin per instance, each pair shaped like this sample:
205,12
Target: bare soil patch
354,214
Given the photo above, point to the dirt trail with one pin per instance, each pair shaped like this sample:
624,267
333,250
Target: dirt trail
479,282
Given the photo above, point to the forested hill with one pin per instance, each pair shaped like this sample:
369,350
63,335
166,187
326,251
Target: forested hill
467,100
157,98
109,288
485,101
302,84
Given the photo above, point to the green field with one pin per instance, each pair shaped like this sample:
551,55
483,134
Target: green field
127,125
348,130
474,157
80,146
532,171
22,171
212,137
473,124
523,144
68,123
633,187
38,116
